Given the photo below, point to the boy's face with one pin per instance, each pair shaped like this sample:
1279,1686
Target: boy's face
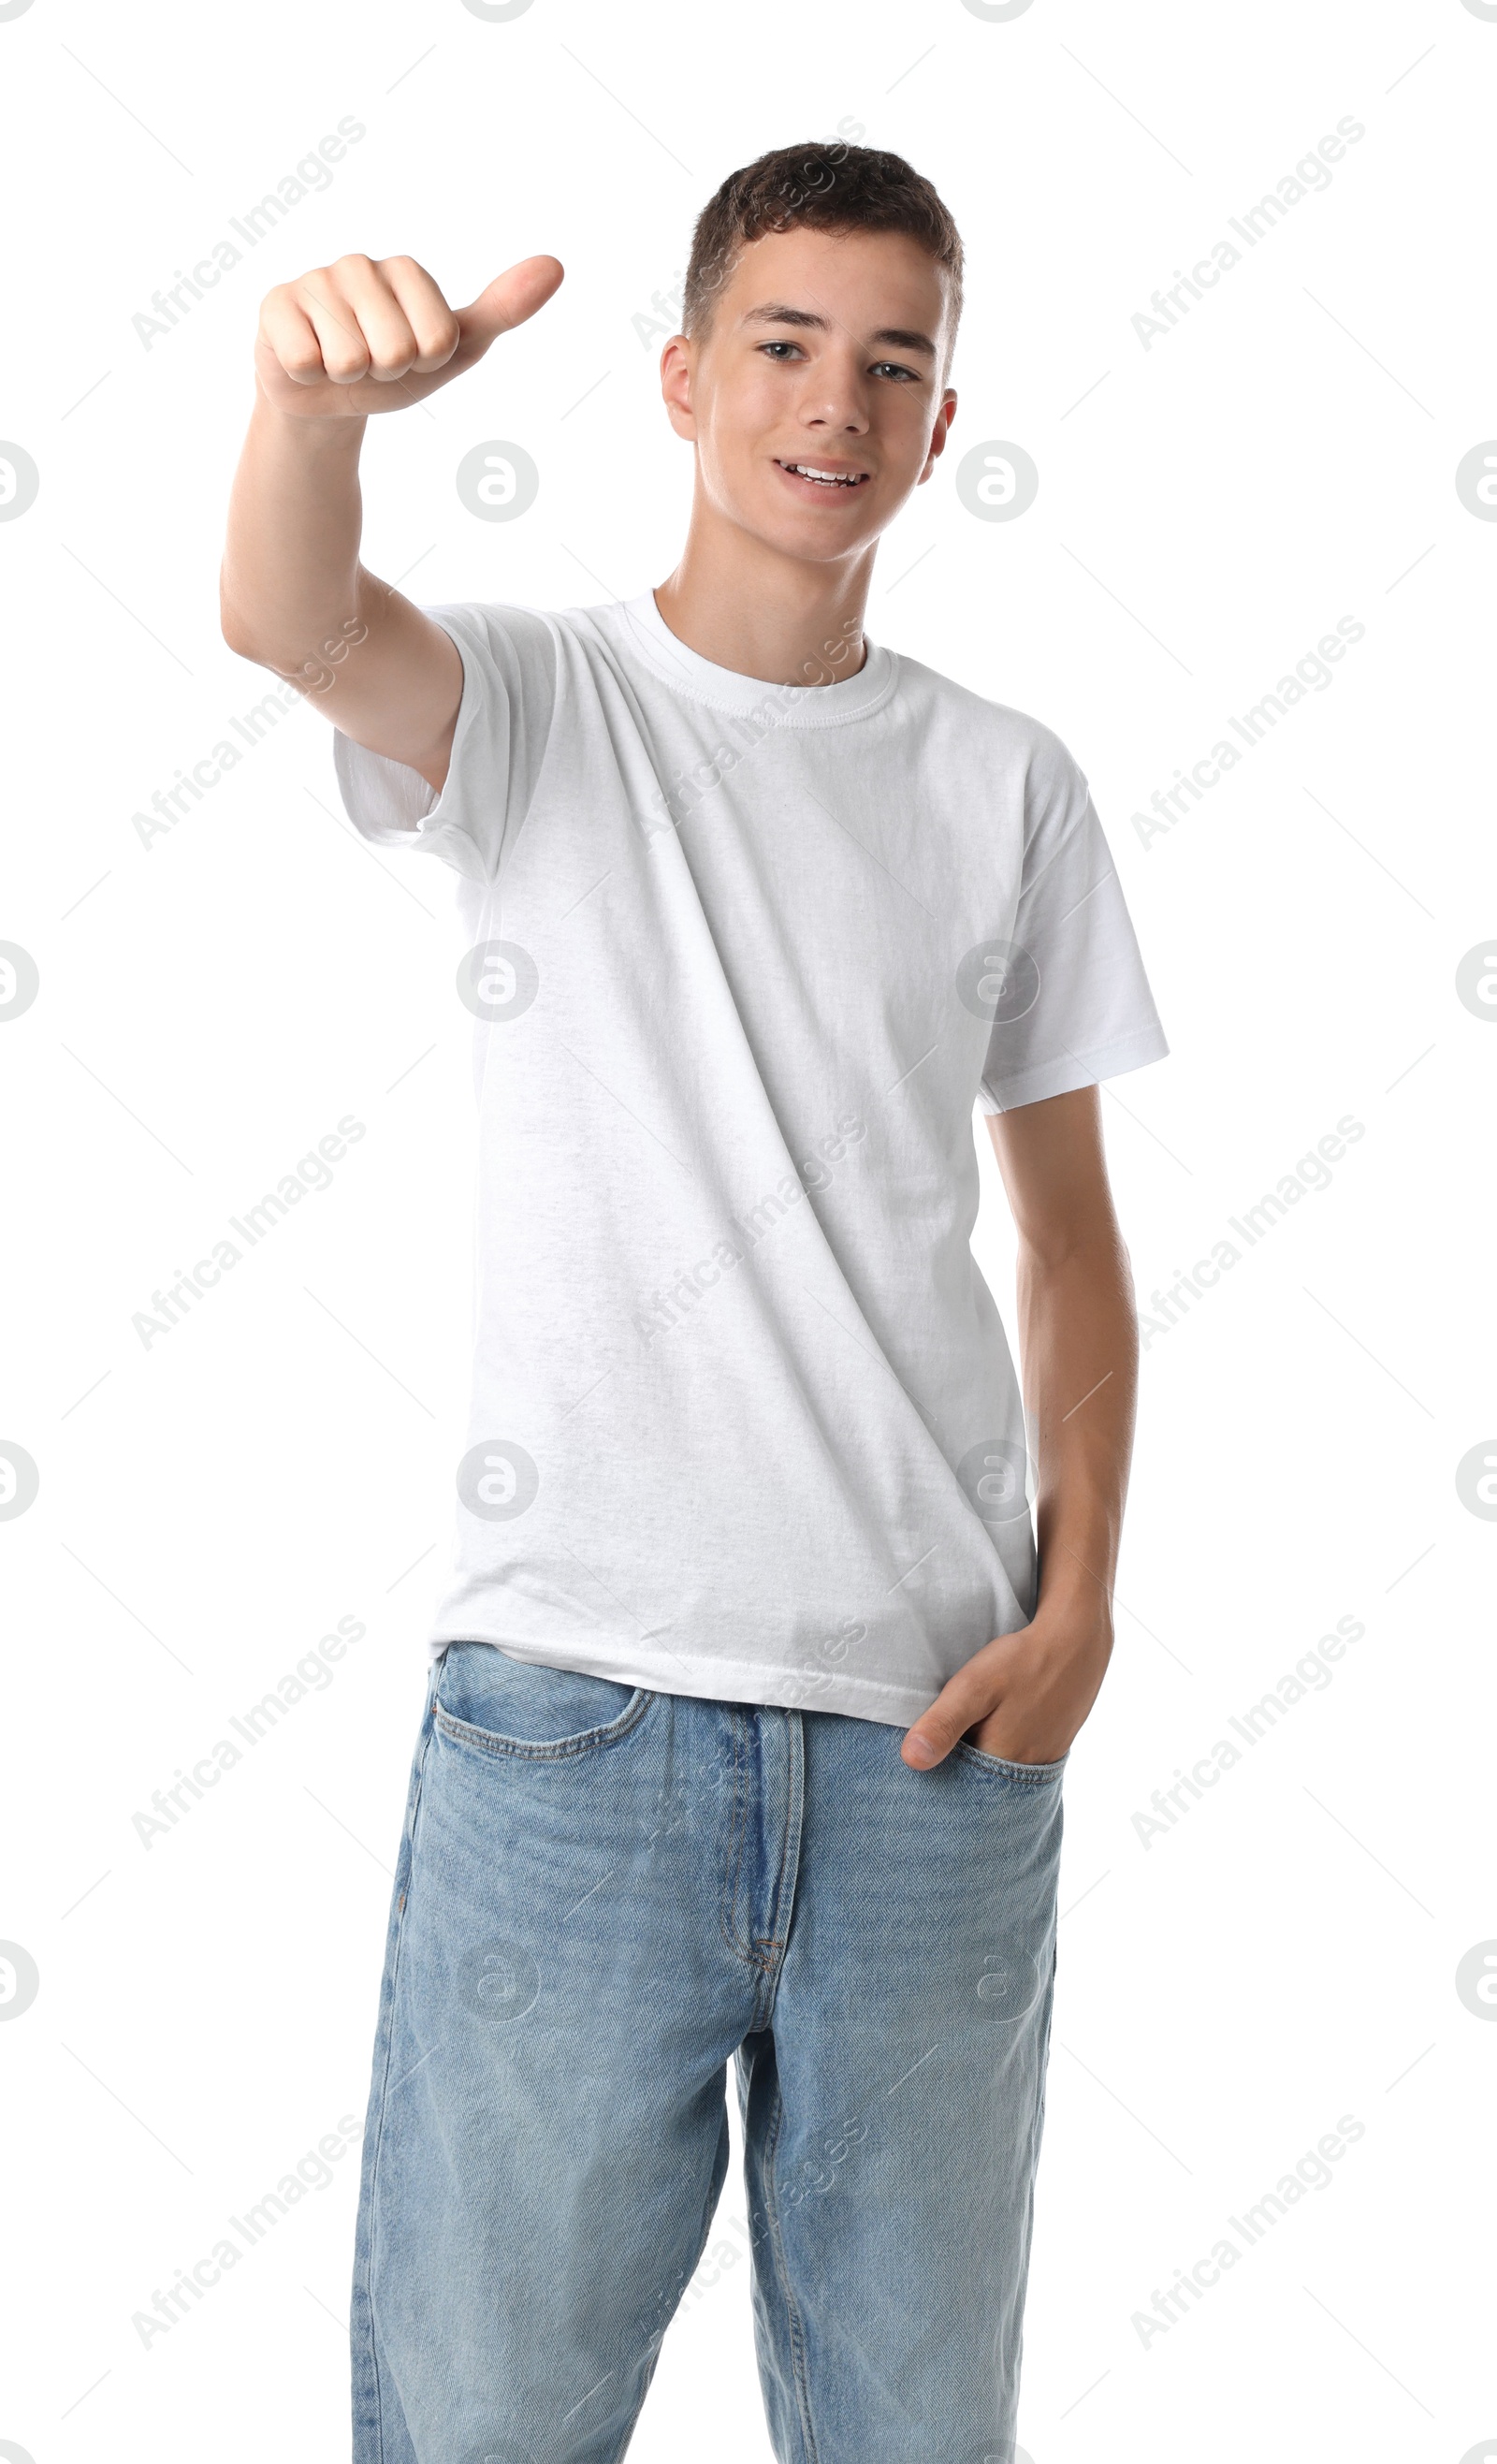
825,350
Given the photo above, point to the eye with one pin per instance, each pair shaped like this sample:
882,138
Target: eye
780,346
911,375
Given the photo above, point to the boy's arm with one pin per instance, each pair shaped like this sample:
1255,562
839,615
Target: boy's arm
1025,1694
342,343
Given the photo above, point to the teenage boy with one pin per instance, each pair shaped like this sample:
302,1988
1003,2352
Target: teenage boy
748,1701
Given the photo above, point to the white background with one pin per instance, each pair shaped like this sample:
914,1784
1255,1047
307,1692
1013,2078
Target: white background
211,1005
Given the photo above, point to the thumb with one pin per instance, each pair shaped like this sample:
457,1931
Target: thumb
957,1707
509,300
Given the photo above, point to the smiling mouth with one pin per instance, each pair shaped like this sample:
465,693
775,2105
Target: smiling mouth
823,478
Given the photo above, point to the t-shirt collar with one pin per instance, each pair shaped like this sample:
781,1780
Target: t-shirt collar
645,631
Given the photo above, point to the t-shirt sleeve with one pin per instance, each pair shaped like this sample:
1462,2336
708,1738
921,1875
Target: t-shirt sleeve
504,719
1073,1004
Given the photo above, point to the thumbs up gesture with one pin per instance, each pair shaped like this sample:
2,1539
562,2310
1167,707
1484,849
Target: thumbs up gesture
374,334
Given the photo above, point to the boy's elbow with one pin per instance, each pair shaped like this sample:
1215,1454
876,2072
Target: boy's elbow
236,628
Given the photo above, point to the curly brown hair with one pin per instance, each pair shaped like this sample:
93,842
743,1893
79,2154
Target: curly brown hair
825,187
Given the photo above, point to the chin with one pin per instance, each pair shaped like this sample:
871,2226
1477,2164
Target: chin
813,541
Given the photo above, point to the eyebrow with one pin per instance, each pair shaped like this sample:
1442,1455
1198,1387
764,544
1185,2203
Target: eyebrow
775,312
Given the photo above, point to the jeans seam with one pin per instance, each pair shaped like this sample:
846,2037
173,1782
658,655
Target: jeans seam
410,1861
803,2394
778,1935
1036,2136
737,1826
632,2422
772,1946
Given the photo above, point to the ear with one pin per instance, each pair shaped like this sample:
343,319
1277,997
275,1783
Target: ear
676,372
939,434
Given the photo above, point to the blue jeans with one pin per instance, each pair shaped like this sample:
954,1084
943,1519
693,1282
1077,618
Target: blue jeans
603,1894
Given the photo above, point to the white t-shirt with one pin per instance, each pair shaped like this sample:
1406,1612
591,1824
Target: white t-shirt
743,959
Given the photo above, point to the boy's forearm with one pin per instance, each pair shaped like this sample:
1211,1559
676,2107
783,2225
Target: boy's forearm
1025,1695
1079,1341
337,345
292,585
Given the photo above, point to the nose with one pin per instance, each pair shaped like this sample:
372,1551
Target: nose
836,397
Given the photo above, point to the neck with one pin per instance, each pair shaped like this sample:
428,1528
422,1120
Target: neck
745,605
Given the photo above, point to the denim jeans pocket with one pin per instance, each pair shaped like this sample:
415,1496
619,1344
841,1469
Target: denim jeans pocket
496,1705
1030,1774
